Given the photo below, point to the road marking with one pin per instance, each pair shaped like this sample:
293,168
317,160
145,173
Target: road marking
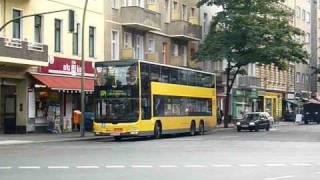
115,166
87,167
317,172
301,164
5,167
29,167
12,142
168,166
58,167
248,165
221,165
141,166
281,177
275,165
195,166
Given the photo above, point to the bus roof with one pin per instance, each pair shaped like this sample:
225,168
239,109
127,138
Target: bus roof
150,62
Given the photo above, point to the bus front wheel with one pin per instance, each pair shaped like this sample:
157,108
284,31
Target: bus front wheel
201,128
157,131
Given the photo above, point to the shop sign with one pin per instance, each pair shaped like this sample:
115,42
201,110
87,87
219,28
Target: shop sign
66,66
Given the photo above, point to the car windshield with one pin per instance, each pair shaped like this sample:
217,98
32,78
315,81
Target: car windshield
250,117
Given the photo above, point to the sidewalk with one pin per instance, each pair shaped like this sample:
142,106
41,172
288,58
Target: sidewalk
14,139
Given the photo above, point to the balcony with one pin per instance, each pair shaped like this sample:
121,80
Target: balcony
249,82
175,15
16,51
140,18
184,30
176,61
154,57
127,53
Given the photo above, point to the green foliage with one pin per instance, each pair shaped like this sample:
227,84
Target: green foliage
252,31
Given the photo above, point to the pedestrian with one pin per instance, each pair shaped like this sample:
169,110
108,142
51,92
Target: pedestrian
219,117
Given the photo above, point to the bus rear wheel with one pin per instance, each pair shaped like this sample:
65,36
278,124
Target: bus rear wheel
201,128
157,131
193,129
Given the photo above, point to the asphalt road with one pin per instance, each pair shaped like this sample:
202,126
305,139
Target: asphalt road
286,152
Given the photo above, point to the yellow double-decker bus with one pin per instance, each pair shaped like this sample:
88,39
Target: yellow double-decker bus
141,98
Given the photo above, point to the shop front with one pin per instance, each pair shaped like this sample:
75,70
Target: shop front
54,95
244,101
273,104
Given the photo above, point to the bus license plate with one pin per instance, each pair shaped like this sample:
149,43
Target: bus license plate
117,130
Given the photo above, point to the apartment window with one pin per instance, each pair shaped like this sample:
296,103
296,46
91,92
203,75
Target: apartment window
127,39
127,3
175,50
16,24
205,21
308,17
303,16
184,12
303,78
92,41
167,7
75,40
298,12
139,47
193,12
175,5
151,46
298,77
114,45
57,35
114,4
38,29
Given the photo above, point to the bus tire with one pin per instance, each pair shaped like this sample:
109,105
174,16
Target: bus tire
193,129
117,138
157,130
201,128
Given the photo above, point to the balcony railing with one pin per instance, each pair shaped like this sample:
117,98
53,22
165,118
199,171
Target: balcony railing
32,53
152,56
127,53
176,61
249,82
184,30
140,18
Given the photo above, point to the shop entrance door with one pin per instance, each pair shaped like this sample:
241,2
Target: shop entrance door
9,109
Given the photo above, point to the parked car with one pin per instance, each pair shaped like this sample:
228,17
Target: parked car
311,113
254,121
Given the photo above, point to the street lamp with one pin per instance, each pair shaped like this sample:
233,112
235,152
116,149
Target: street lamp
82,128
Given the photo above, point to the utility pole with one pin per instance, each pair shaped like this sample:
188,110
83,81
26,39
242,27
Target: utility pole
82,128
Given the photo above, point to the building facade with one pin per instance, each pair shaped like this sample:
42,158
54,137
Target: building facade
40,61
165,31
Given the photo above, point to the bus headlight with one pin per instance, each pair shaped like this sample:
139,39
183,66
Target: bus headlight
134,131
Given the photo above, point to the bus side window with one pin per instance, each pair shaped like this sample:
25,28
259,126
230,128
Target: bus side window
207,80
165,73
155,73
192,78
183,77
173,76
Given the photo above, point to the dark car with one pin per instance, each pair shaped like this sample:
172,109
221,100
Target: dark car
311,113
254,121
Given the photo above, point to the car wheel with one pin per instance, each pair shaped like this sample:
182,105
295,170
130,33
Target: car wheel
157,131
268,127
239,129
193,128
117,138
201,128
256,129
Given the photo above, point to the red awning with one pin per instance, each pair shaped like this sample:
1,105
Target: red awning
64,82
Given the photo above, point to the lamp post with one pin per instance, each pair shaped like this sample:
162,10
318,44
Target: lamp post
82,128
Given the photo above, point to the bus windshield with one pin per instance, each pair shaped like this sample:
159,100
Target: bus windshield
117,93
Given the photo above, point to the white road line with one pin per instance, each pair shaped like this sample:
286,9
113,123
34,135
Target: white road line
115,166
87,167
275,165
168,166
221,165
195,166
141,166
281,177
29,167
317,172
58,167
5,167
248,165
301,164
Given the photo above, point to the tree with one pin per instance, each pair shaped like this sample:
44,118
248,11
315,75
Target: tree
251,31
